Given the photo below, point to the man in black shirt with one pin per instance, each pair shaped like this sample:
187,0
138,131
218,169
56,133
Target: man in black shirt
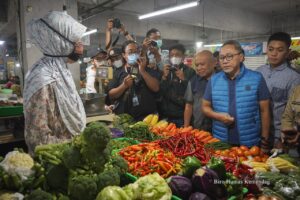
134,85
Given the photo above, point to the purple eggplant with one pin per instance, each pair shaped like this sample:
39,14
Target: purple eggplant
180,186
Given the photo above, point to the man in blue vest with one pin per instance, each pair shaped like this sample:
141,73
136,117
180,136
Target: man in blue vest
237,99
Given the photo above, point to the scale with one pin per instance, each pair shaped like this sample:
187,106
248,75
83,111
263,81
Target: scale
94,103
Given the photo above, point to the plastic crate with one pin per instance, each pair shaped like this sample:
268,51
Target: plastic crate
6,111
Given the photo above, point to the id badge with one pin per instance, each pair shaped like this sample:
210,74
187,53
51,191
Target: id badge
135,101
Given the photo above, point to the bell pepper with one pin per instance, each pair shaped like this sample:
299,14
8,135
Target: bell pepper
190,165
218,166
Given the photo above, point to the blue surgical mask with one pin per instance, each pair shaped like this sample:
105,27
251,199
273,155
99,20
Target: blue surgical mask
151,58
132,58
159,43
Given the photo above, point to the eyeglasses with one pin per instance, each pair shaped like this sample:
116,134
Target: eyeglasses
228,57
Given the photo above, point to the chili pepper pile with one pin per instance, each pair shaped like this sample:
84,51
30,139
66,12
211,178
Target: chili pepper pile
186,144
242,172
147,158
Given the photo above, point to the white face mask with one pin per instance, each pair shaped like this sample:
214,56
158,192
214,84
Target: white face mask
175,60
118,63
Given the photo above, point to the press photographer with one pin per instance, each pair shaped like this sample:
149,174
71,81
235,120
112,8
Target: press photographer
151,45
173,85
134,86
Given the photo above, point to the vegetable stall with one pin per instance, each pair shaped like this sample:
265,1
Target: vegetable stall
149,159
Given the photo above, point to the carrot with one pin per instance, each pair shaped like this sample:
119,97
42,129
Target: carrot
169,127
187,129
205,140
213,140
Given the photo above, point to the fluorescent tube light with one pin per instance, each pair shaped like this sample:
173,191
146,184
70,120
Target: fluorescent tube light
199,44
296,38
168,10
212,45
2,42
89,32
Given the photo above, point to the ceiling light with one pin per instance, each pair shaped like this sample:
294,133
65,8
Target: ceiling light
89,32
168,10
212,45
296,38
18,65
80,62
7,55
2,42
199,44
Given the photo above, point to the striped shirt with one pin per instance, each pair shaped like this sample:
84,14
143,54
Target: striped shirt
280,81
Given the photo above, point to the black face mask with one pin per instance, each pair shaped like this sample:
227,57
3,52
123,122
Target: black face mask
73,56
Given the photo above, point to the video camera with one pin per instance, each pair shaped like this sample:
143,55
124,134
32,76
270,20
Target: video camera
117,23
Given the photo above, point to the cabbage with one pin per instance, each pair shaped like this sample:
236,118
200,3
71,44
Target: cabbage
112,193
150,187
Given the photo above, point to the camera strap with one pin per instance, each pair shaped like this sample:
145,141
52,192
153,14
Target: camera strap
116,40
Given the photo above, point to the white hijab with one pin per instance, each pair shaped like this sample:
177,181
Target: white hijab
54,69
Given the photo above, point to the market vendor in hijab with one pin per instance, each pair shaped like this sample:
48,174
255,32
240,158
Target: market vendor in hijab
52,107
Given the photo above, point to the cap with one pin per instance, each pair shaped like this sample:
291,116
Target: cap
95,51
114,52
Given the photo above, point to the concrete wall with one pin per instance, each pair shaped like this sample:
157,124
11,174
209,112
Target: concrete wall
31,9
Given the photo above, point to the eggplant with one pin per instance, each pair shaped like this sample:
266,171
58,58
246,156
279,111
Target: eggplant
199,196
116,133
207,181
180,186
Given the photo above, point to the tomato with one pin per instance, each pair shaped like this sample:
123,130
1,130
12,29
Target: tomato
257,159
234,148
232,154
224,153
243,158
254,151
240,152
244,148
218,152
247,153
264,159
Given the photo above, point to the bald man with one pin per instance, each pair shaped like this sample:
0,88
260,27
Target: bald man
205,68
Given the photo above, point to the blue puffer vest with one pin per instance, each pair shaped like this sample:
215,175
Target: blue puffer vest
247,105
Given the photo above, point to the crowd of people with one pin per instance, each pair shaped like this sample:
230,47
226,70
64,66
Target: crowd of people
220,95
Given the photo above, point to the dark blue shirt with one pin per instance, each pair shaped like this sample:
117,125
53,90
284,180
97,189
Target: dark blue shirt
263,94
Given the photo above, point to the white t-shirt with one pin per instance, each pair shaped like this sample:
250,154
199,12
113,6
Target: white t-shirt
90,79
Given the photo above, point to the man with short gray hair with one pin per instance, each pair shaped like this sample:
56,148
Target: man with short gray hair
205,68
